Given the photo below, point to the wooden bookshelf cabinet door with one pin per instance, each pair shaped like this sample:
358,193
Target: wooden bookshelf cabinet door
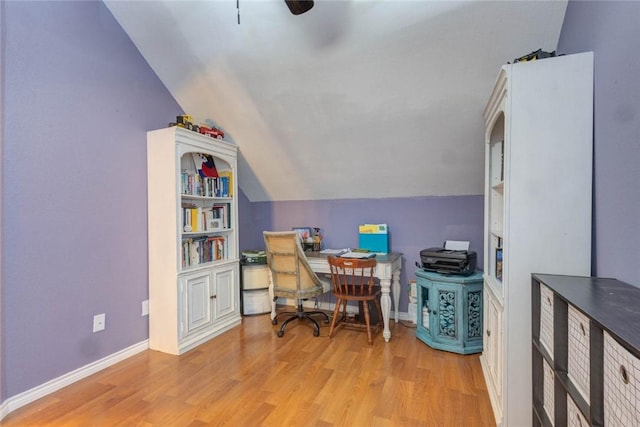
491,358
226,296
209,303
197,292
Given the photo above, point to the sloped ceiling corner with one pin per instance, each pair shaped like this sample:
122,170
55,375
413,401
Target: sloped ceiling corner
353,99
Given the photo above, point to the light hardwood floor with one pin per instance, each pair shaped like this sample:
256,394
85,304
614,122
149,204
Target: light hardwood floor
250,377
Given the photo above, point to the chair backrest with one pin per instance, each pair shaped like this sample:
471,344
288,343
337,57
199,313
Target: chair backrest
291,274
352,277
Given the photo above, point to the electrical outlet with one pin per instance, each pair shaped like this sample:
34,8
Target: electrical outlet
145,307
99,322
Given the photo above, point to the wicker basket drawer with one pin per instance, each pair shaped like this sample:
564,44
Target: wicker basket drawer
621,385
546,318
574,416
578,363
548,387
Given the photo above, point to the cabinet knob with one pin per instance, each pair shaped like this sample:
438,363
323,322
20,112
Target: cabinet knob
488,333
212,297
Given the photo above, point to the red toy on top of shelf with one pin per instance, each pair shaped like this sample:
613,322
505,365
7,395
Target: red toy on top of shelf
211,131
186,121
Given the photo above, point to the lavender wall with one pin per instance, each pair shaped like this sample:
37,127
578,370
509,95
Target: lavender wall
610,29
414,224
79,99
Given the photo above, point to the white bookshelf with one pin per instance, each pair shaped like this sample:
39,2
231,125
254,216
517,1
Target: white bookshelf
193,255
538,169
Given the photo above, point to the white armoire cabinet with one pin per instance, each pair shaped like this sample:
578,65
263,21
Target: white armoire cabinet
193,239
538,179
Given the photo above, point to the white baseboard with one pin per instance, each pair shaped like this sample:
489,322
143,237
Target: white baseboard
4,411
22,399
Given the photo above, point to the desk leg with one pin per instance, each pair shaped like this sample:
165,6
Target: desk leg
271,298
396,295
385,304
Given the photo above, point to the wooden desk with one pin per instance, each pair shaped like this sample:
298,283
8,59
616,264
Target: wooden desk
388,270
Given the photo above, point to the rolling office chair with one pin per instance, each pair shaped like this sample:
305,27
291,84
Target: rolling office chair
292,277
353,280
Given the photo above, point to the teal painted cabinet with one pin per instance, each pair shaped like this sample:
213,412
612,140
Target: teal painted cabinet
450,311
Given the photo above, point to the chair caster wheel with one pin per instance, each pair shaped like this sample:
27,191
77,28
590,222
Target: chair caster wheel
316,333
274,321
280,334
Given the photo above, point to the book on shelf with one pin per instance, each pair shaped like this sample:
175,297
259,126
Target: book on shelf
204,249
192,184
206,214
499,263
184,182
220,243
221,210
187,217
184,252
227,178
192,252
197,219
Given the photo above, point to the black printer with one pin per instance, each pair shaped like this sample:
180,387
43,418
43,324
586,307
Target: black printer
447,261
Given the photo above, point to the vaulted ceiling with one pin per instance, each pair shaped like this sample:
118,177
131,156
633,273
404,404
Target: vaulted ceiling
353,99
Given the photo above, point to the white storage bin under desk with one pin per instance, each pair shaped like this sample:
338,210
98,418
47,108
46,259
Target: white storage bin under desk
255,276
256,302
255,289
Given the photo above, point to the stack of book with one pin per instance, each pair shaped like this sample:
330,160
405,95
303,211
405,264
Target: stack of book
203,249
254,256
193,184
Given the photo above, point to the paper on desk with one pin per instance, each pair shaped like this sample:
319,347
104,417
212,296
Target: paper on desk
358,255
334,251
456,245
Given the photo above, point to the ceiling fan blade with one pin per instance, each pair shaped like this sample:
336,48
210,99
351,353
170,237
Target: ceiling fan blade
299,6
